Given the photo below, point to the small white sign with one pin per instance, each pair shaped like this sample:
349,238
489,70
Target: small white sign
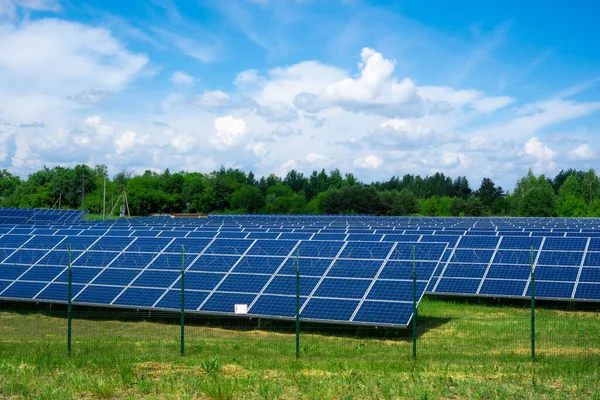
240,309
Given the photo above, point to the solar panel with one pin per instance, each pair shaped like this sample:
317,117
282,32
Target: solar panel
347,263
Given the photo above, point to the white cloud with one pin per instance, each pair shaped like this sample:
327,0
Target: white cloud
259,149
96,124
582,152
455,160
539,150
8,8
375,90
127,141
212,99
369,162
64,58
400,133
229,132
458,99
181,79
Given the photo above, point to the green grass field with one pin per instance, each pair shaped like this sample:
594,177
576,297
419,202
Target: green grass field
465,351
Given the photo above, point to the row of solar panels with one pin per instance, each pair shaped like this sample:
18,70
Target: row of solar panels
336,286
475,265
283,233
38,216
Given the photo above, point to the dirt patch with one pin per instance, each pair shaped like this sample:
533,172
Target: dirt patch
233,371
272,374
549,351
156,370
315,373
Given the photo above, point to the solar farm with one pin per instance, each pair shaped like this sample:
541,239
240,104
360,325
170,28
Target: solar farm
352,282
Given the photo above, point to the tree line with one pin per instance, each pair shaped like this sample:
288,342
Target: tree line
571,193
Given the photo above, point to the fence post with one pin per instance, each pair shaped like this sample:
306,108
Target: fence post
532,285
298,302
69,300
182,338
414,324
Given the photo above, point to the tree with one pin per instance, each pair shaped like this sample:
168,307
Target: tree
534,196
248,198
488,193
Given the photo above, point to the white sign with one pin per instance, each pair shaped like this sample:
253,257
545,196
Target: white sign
240,309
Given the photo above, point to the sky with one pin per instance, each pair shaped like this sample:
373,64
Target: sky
376,88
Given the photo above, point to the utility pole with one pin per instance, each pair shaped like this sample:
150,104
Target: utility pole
104,199
83,195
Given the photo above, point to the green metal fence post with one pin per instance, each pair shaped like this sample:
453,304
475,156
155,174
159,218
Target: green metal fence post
414,324
298,302
532,285
182,339
69,300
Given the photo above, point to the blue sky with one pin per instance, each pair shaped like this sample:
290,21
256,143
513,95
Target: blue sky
377,88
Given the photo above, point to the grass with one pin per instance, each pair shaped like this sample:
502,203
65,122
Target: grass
465,351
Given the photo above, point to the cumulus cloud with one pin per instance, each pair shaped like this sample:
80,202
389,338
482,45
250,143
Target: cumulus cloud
229,132
181,79
400,133
369,162
454,160
373,90
95,122
64,57
539,150
461,98
582,152
128,141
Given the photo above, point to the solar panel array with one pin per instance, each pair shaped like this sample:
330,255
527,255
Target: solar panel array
38,216
353,269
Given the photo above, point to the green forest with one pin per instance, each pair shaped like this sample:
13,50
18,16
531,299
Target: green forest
571,193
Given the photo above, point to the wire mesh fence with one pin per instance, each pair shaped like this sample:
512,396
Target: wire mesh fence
167,285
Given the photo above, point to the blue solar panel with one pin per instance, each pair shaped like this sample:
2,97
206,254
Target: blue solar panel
588,291
284,306
503,287
119,277
200,280
355,269
384,313
43,242
458,286
23,290
559,258
98,294
228,246
12,272
259,251
557,290
42,273
259,265
212,263
404,270
306,266
343,288
286,285
156,279
132,260
243,283
465,270
172,299
59,292
152,245
139,297
225,302
590,275
273,247
573,244
329,309
395,291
